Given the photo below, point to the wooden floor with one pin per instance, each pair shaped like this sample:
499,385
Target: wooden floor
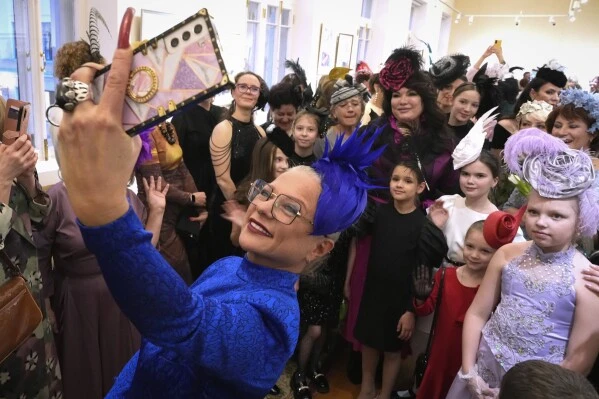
341,387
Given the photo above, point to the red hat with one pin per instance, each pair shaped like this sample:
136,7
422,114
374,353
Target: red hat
363,69
500,227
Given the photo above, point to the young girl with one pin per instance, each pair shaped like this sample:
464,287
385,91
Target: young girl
533,303
403,238
305,132
466,100
479,173
459,288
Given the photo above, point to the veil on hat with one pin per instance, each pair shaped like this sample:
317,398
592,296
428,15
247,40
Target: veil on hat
449,68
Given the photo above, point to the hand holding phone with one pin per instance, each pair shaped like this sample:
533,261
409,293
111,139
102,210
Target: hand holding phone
16,121
171,71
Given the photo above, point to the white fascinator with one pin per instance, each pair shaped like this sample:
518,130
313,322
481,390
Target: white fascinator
469,148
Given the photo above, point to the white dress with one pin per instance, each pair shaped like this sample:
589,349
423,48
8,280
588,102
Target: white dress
460,219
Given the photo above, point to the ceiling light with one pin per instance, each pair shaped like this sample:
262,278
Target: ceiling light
576,5
572,18
470,19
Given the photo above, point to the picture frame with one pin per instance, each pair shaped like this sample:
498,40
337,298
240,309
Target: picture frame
343,52
326,50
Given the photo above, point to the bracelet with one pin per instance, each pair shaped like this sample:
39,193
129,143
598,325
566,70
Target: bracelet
470,375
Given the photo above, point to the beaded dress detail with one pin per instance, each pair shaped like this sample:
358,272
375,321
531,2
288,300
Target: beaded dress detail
536,311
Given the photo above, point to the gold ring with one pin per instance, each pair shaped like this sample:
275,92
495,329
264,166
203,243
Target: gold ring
143,84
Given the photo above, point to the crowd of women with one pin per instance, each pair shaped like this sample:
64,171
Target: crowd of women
474,181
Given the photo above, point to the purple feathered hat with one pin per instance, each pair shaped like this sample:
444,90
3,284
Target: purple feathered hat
344,181
556,171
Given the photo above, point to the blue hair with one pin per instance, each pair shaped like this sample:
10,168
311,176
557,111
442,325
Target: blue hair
344,180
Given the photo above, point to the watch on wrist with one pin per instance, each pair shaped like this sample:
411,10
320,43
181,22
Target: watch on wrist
193,198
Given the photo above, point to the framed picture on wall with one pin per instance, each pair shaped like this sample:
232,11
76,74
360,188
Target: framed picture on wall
326,50
345,44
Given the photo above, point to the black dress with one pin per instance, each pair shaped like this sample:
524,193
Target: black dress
194,127
500,136
460,132
296,160
321,292
244,137
400,243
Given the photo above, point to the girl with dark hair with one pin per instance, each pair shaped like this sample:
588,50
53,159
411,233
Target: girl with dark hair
414,129
403,239
231,146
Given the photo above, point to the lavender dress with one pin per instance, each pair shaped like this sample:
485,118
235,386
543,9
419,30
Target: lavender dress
533,319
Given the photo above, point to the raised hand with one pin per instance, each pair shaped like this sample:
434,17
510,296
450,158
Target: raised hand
438,214
156,193
234,212
423,282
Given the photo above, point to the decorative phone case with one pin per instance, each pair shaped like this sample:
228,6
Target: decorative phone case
171,71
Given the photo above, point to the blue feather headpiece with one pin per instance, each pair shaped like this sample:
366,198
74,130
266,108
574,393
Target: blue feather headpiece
582,99
344,181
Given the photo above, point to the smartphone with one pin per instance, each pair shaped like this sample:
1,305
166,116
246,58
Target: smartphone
497,44
178,68
16,120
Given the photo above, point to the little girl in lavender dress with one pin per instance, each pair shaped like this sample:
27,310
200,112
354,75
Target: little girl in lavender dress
542,309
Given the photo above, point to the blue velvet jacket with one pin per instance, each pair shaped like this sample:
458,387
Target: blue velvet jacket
229,335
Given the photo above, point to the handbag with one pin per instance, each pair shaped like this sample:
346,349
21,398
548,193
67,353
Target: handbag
19,313
422,360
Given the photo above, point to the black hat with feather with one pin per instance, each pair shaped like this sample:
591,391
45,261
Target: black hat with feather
299,81
490,95
449,68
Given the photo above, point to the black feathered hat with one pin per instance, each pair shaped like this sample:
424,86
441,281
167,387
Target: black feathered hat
553,72
449,68
281,139
490,95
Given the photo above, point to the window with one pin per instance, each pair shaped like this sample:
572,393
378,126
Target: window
363,40
252,35
366,8
268,24
27,53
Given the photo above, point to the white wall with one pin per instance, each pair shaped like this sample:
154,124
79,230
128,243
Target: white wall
535,41
390,25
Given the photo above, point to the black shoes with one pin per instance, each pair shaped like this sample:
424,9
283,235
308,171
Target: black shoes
299,386
275,390
320,382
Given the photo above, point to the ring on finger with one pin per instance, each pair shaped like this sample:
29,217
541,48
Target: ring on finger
69,93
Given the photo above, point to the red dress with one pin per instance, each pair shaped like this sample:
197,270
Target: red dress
446,352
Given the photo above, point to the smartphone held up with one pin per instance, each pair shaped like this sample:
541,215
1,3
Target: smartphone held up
176,69
16,120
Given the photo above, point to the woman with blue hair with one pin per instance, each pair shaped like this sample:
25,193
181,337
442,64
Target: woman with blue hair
230,334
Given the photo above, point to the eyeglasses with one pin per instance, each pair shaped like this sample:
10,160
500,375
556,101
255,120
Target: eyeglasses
243,88
284,209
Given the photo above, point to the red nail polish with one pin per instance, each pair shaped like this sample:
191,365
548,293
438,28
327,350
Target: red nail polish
125,29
